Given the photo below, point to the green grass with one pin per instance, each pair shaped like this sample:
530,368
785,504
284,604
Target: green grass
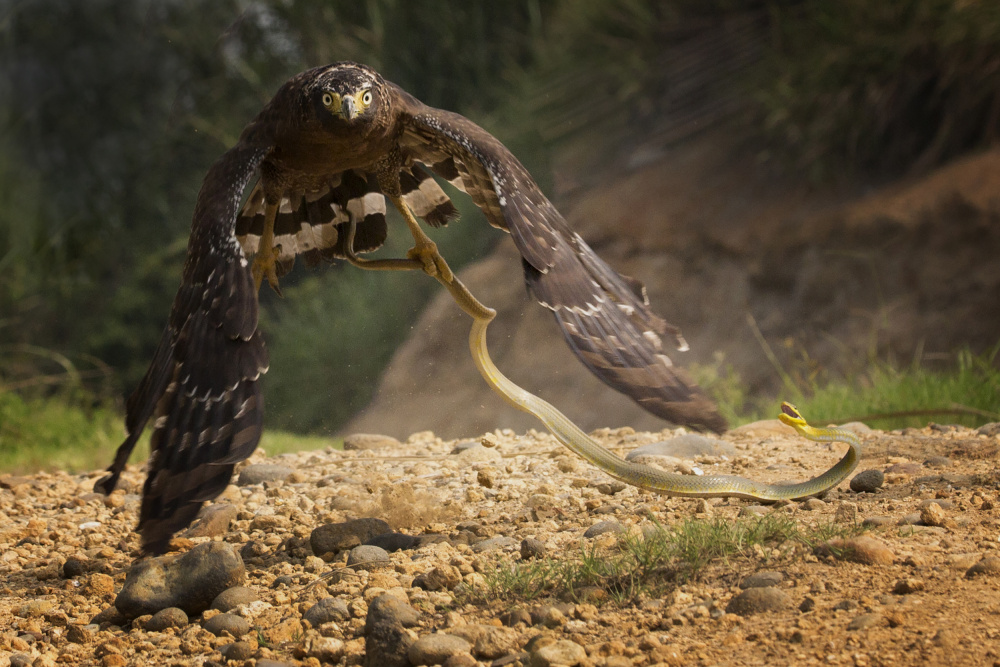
59,433
653,563
884,395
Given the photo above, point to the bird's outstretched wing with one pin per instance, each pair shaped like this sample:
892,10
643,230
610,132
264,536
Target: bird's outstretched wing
604,316
201,389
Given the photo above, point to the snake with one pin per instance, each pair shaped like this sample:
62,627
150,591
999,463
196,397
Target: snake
577,441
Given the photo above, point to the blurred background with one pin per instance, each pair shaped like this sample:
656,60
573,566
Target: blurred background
810,190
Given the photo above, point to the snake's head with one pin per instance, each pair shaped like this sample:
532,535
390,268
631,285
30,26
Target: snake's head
790,416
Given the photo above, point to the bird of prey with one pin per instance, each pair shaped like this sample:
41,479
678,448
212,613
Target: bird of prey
326,152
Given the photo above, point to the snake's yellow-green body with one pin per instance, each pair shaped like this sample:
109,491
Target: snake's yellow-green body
570,435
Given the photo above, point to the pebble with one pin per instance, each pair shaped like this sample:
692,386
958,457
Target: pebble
532,548
878,521
234,597
436,648
762,579
368,557
906,468
988,566
991,429
189,581
560,653
213,520
494,543
238,651
334,537
441,578
688,446
327,610
387,634
234,625
171,617
258,473
862,549
907,586
864,621
933,515
754,510
938,462
604,527
394,542
757,600
478,454
867,481
611,488
366,441
812,504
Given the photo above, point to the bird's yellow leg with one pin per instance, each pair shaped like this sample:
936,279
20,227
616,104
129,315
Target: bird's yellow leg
265,261
424,250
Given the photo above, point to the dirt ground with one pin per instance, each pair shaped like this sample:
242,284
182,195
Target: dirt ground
913,602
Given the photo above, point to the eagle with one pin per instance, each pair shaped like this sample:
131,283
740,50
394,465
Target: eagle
324,155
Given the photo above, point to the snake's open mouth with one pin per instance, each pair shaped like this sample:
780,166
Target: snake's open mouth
789,410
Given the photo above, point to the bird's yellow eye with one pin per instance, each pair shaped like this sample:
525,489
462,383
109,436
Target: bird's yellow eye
366,99
327,99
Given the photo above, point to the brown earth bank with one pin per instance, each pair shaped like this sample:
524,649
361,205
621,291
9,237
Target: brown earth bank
904,271
919,588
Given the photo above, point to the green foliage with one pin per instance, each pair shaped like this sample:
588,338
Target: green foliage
883,394
652,563
890,85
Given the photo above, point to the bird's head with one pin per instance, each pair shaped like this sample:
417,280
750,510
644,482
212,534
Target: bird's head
347,94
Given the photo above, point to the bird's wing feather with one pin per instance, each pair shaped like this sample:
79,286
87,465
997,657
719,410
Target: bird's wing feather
604,316
201,390
313,223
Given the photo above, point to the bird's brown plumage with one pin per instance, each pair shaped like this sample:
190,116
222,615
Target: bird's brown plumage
323,160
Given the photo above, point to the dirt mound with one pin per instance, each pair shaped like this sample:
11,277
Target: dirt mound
723,247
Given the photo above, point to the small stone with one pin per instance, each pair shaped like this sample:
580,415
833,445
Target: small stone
753,511
368,557
394,542
79,634
234,597
494,543
231,624
516,616
213,520
253,549
486,479
812,504
366,441
171,617
532,548
878,521
258,473
287,630
560,653
868,481
862,549
387,637
911,519
989,566
334,537
34,608
604,527
238,651
479,454
189,581
328,650
864,621
611,488
328,610
943,503
758,600
933,515
905,468
938,462
762,579
21,660
907,586
441,578
993,428
807,605
436,648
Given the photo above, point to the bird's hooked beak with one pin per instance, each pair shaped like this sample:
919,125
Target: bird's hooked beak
349,108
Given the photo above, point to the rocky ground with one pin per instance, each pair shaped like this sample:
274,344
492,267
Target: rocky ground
441,518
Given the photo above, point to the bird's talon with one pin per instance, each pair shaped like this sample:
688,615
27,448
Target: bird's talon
265,266
434,264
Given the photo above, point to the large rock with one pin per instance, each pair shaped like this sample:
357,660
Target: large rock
189,581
